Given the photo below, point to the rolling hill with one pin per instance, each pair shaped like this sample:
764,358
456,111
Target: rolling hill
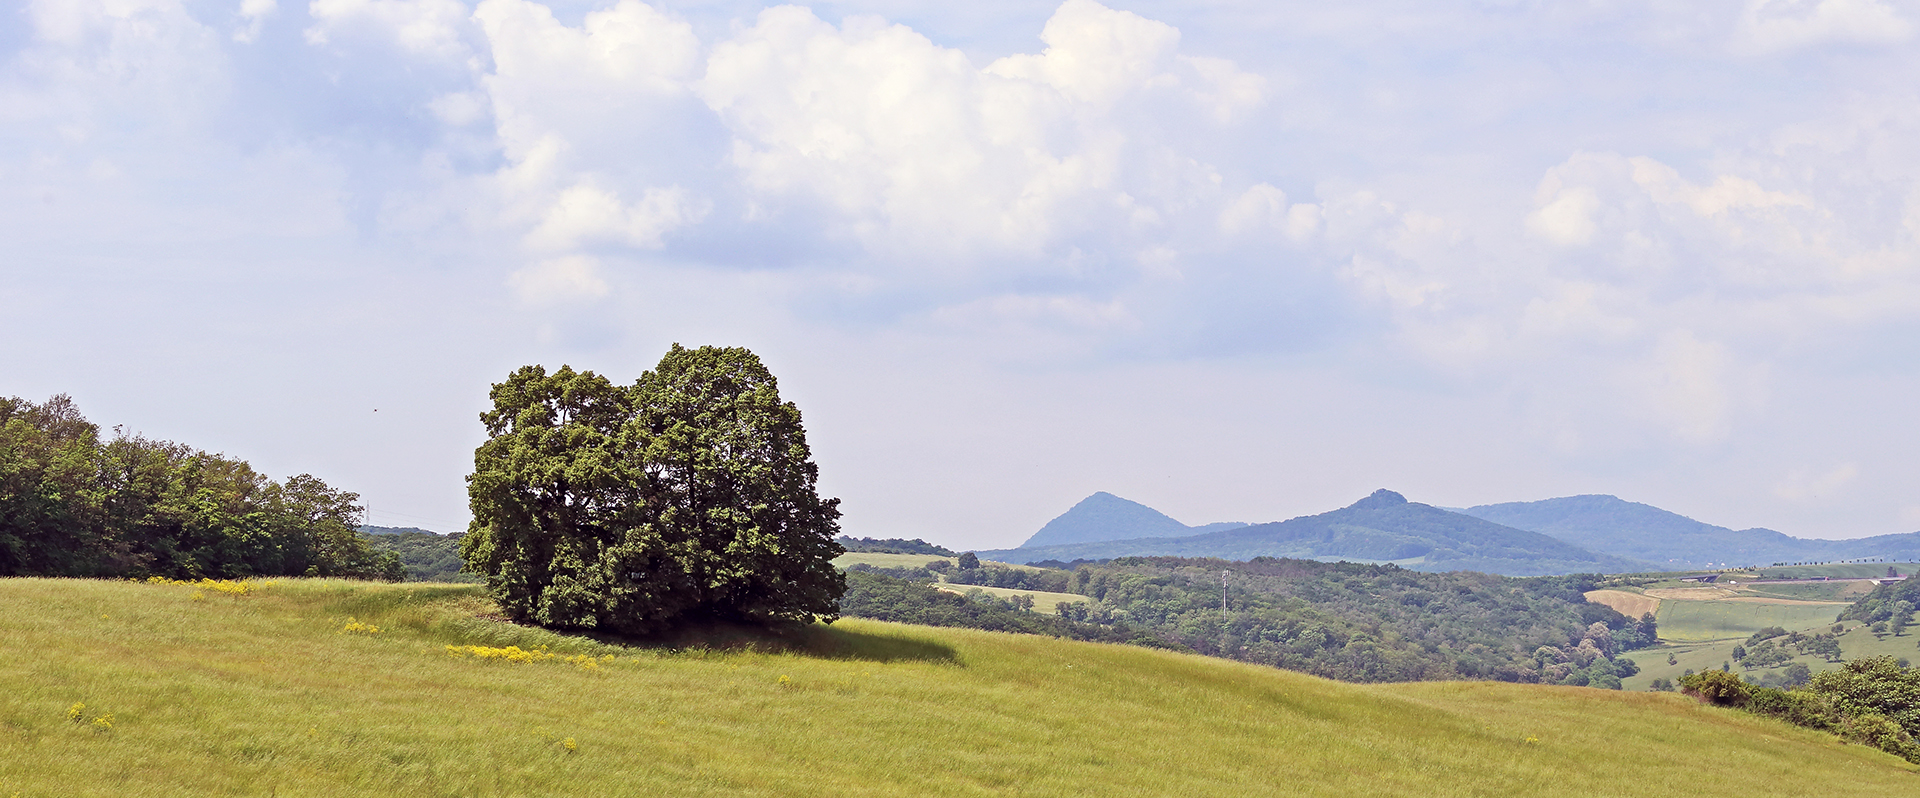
1638,531
1383,527
117,688
1104,516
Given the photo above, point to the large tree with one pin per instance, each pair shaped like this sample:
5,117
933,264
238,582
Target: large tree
689,495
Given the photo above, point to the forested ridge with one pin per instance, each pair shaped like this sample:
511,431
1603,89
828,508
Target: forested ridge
427,556
1355,622
75,503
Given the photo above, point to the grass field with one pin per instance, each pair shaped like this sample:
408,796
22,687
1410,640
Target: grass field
1847,591
1632,605
1700,625
1697,621
1867,570
911,561
269,694
1042,600
1700,656
887,560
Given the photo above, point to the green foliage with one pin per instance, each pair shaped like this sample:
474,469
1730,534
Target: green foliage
1358,622
1884,603
884,598
1716,687
74,505
1877,685
909,574
428,557
689,495
1873,700
891,546
1047,581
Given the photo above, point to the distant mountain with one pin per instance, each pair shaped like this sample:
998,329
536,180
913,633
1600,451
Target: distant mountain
1640,531
1383,527
1104,516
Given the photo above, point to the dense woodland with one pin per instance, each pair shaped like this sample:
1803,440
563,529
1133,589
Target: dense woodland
1364,623
75,503
426,556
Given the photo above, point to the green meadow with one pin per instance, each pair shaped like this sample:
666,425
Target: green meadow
1857,642
880,560
1857,570
1699,621
126,689
1043,601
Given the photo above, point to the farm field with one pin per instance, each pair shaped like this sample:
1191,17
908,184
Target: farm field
1854,644
1698,621
1846,591
277,693
887,560
1632,605
1862,570
911,561
1043,601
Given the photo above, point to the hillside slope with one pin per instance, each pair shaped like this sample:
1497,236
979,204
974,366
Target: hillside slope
1104,516
1611,525
1383,527
267,693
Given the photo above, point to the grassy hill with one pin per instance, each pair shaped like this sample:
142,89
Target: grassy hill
276,692
1381,528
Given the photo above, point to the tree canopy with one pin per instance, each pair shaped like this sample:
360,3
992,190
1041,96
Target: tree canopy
690,494
72,504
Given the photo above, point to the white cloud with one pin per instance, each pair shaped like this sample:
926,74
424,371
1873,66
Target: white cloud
253,16
915,150
1385,208
434,28
1567,217
569,279
1095,55
1261,206
584,215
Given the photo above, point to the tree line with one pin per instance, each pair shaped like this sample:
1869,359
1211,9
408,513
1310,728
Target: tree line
76,503
1355,622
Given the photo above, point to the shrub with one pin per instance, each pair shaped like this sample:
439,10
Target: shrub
1717,687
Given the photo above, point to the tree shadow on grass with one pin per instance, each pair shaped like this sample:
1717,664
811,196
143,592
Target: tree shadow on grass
824,641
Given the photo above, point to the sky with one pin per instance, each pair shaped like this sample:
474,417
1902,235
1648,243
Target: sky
1235,260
